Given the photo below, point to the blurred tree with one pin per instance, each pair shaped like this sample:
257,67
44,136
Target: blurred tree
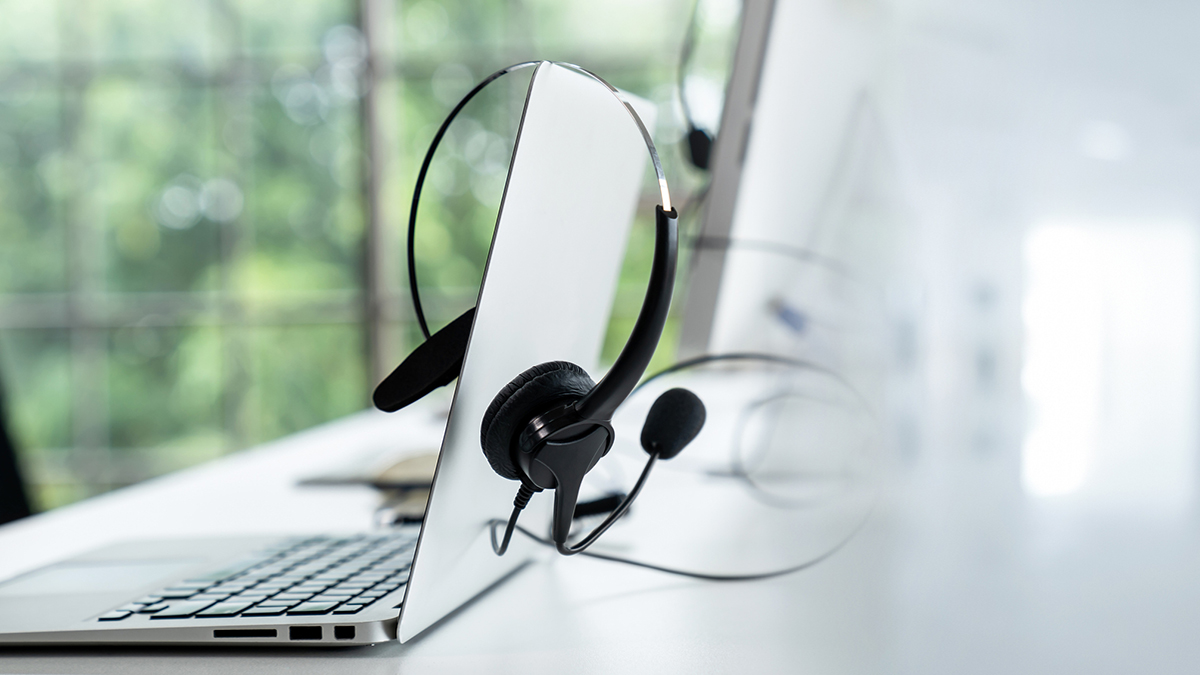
190,222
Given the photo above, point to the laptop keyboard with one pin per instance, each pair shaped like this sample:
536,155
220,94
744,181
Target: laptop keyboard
310,576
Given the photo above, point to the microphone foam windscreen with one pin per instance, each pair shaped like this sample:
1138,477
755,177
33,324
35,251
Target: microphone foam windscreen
674,420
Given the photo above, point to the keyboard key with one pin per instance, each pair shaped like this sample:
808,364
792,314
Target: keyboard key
226,572
256,574
264,611
249,597
179,610
281,601
312,608
349,609
151,609
115,615
264,578
328,599
295,570
343,571
327,578
225,609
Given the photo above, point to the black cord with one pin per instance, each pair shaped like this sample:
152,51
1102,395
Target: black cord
755,356
702,575
502,547
511,525
572,549
738,469
703,242
737,356
525,493
416,199
519,504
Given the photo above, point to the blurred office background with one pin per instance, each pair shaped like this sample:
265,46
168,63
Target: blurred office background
202,211
1051,153
194,259
203,204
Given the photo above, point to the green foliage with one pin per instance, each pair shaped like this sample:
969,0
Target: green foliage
183,213
32,172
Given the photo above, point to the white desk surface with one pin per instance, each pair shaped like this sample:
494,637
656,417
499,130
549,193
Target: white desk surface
955,573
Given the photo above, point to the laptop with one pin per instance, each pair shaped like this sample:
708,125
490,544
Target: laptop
561,234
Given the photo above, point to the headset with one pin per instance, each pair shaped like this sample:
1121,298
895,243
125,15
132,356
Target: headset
552,423
699,140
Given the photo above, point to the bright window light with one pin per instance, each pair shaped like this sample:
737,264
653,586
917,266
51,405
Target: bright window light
1063,315
1110,372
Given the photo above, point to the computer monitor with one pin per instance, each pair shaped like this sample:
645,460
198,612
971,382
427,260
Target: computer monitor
791,234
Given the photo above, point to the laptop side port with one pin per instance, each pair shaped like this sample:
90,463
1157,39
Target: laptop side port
304,632
245,633
343,632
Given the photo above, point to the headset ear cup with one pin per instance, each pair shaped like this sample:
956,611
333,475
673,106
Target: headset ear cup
699,147
434,363
529,394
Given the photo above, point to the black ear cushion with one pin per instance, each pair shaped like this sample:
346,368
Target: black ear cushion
528,395
435,363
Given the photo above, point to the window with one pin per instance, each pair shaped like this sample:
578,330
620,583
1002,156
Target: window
1110,361
204,201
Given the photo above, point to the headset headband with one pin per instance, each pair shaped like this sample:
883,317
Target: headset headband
660,175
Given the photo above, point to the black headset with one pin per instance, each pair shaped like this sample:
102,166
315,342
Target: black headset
699,140
552,423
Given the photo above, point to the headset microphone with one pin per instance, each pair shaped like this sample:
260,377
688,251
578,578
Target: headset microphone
674,420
